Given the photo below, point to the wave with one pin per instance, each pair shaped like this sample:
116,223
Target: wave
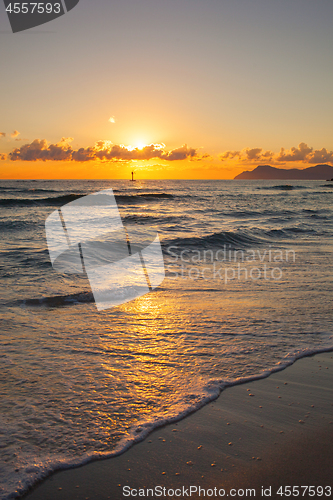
284,187
143,219
239,240
314,211
17,225
27,202
321,217
230,238
143,196
330,191
60,300
28,190
13,189
260,213
38,190
67,198
288,232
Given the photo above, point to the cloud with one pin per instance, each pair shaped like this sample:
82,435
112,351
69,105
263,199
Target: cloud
258,154
248,155
13,135
319,156
306,154
180,153
303,153
205,156
112,119
102,150
230,155
40,150
107,151
3,157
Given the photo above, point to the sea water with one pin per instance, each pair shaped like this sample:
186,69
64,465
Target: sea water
247,291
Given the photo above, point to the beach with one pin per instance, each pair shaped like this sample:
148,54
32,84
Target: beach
269,433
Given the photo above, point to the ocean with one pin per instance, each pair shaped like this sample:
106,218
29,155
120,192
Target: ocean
247,291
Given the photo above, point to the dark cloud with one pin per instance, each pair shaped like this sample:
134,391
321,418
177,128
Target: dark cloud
258,154
248,155
3,157
2,134
116,152
180,153
83,154
40,150
320,156
102,150
229,155
205,156
303,153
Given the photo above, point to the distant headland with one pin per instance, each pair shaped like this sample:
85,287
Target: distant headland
318,172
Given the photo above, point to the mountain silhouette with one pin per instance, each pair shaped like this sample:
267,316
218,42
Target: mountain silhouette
318,172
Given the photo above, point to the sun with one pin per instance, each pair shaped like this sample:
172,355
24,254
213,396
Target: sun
140,145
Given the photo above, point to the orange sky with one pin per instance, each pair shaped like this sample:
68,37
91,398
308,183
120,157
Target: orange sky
43,160
240,83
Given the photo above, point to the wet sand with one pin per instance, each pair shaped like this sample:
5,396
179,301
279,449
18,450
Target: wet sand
267,433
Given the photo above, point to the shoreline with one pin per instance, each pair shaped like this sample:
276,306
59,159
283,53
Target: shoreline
257,433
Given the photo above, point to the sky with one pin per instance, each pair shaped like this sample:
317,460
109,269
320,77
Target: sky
193,89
